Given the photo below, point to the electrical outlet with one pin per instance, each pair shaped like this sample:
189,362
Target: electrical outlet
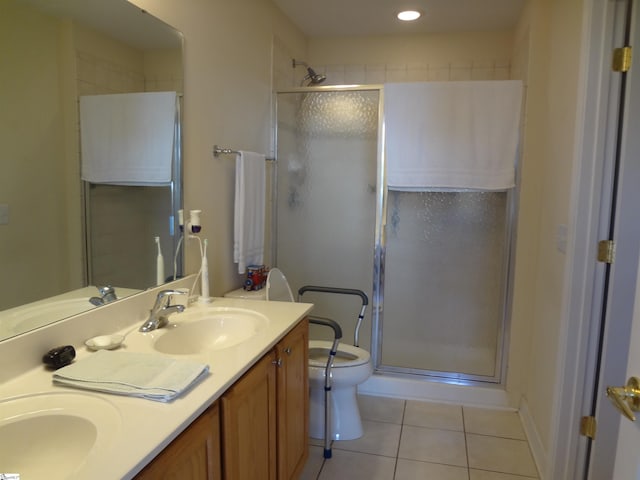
4,214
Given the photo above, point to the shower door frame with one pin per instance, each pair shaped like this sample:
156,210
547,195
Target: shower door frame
500,372
380,152
503,322
379,254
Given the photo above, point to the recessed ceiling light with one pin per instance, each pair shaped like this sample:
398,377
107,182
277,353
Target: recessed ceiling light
409,15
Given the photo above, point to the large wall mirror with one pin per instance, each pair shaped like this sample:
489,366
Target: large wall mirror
61,238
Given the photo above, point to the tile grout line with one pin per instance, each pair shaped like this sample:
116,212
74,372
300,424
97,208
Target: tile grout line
466,446
404,410
324,460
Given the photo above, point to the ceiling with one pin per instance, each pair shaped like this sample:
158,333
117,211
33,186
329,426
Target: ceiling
319,18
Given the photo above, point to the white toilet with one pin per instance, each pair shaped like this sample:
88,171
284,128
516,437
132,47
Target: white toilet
351,366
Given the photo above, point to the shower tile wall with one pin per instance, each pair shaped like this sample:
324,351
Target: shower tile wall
415,72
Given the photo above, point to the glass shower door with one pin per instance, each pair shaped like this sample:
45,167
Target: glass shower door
327,145
445,282
436,273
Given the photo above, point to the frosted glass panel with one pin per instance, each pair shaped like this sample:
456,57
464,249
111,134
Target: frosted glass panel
444,281
122,224
326,182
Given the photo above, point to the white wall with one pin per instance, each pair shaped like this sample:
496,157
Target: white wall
34,179
554,35
227,101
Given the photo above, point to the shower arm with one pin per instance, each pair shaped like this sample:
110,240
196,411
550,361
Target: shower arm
313,77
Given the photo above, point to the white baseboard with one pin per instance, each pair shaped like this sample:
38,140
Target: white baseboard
420,389
540,455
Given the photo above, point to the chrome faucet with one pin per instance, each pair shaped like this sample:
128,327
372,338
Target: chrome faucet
161,310
107,295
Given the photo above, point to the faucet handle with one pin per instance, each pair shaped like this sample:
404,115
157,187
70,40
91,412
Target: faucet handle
106,289
168,294
108,293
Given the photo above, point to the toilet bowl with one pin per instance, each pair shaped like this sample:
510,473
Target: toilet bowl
351,366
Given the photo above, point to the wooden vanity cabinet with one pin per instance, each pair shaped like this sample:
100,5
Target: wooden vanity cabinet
265,414
249,424
292,380
260,430
194,454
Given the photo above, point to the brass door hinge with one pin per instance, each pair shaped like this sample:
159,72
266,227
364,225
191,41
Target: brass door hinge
606,251
588,427
621,59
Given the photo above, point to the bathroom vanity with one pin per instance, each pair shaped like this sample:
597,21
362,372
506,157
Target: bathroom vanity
246,419
257,430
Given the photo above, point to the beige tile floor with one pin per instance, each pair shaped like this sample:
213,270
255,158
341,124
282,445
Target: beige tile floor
410,440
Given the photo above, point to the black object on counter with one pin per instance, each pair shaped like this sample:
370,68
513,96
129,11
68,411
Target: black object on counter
59,357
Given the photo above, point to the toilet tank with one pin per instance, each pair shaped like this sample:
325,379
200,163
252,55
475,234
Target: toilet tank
247,295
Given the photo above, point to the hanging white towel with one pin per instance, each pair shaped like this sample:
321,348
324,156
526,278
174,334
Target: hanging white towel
248,244
128,139
452,135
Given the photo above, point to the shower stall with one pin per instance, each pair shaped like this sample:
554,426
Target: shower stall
435,264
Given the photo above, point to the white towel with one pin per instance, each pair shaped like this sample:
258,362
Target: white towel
147,375
248,243
457,135
128,139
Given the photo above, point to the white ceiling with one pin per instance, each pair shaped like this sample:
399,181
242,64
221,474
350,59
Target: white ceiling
318,18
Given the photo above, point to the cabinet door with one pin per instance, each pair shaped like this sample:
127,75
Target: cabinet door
293,401
194,454
249,424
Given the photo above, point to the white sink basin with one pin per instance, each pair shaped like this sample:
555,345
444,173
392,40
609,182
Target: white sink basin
213,328
52,435
35,316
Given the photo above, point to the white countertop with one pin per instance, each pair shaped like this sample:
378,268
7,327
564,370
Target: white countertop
145,427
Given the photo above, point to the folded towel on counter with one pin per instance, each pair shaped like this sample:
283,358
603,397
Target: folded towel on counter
128,138
146,375
249,210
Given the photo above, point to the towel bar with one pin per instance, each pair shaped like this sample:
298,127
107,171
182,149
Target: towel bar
217,151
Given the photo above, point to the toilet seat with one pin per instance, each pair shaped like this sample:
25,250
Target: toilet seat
347,355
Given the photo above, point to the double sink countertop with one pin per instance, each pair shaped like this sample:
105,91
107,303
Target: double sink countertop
139,428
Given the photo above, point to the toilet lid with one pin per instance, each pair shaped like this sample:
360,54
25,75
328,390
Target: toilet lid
278,288
347,356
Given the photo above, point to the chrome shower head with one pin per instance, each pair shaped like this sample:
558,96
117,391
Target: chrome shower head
313,77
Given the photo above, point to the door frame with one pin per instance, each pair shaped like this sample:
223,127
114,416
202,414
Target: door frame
584,281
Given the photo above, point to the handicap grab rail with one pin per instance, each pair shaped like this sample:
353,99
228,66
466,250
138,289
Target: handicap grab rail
337,332
342,291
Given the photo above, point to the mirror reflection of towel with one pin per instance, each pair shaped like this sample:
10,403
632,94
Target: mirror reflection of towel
249,211
128,139
452,135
